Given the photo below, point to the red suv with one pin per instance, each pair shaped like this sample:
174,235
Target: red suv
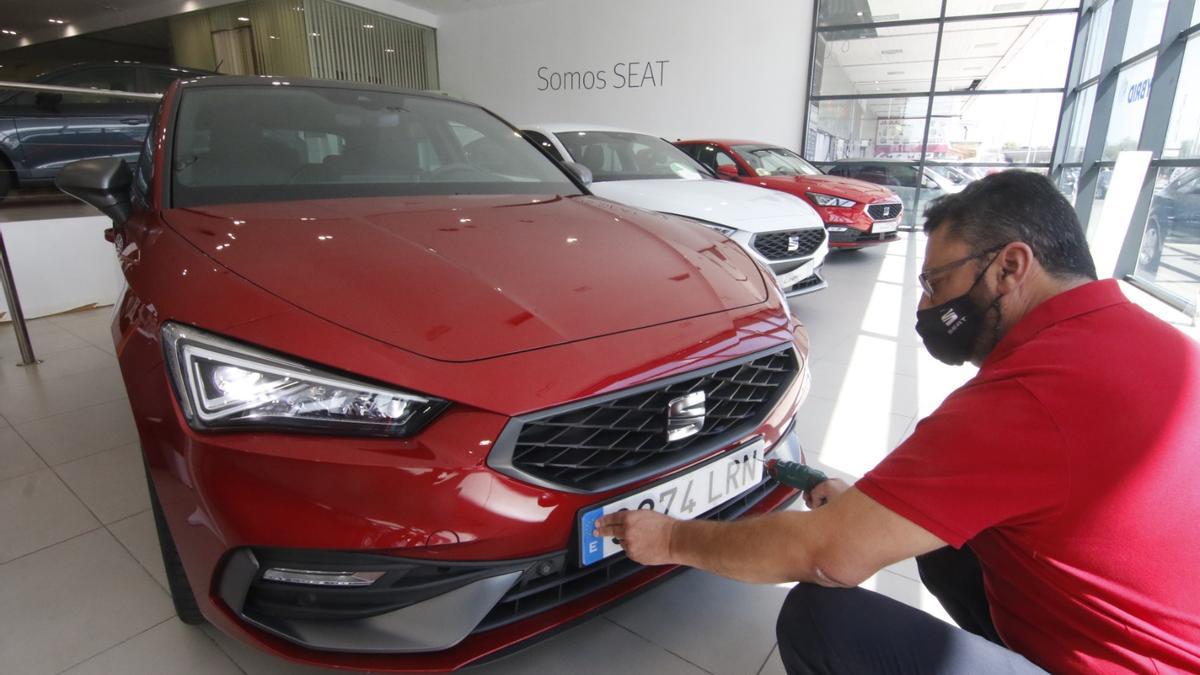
389,363
856,213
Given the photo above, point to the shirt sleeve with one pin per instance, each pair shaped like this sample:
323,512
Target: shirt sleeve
989,456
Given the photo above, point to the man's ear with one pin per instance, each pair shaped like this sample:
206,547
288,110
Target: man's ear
1014,266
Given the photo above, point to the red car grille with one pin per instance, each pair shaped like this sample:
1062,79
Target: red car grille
884,211
623,438
789,244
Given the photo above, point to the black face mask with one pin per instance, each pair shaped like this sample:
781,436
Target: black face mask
952,329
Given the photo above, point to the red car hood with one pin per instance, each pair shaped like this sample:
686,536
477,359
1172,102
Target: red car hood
467,278
850,188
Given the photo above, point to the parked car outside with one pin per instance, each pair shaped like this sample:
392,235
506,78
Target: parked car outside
1174,218
41,132
856,213
902,177
630,167
384,384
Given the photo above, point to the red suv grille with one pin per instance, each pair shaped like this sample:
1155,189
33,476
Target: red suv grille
883,211
622,438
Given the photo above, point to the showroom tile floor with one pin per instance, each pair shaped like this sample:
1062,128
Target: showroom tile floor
81,584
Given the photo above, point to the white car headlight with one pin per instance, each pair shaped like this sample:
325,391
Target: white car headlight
222,384
830,200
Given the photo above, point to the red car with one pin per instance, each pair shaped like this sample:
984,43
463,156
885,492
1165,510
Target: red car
389,362
856,213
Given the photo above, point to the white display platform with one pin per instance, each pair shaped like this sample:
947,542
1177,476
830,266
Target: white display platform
60,264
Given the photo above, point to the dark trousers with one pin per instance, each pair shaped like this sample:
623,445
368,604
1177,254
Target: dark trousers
853,630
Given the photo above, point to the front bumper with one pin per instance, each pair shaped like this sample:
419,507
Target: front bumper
784,270
428,606
852,238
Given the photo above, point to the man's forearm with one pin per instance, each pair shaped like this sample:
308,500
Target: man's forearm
774,548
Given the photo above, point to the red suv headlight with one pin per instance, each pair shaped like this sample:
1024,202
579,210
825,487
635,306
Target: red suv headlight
224,384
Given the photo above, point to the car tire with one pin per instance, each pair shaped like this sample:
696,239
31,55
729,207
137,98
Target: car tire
181,589
1150,253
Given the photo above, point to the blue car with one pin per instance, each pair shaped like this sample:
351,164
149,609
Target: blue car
41,132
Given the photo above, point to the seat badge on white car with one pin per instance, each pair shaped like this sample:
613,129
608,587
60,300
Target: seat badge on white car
685,416
793,243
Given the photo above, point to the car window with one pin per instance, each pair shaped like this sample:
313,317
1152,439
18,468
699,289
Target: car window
902,175
144,172
258,143
616,155
158,79
769,161
115,79
539,139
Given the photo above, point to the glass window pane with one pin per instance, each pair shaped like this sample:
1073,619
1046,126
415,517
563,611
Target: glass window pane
1097,36
890,127
1169,254
1183,133
883,60
840,12
1129,108
1081,122
1012,128
1013,53
1145,26
972,7
1068,183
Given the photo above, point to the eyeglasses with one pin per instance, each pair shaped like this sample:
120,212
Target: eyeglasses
925,276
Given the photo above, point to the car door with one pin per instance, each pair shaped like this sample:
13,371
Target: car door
57,129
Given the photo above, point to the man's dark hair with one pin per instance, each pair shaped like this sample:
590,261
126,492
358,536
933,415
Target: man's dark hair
1016,205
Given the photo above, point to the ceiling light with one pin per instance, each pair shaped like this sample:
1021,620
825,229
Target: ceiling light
892,51
390,50
859,13
57,21
273,37
895,72
243,18
368,25
886,17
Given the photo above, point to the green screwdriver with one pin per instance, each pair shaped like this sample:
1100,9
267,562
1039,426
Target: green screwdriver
796,475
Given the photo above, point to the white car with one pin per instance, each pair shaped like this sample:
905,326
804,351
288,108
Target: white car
647,172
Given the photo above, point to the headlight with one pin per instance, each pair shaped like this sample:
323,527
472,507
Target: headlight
829,200
727,231
223,384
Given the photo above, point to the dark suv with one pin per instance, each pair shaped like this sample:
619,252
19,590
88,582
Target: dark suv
41,132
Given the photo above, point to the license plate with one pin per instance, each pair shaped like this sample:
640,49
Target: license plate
685,497
880,228
797,275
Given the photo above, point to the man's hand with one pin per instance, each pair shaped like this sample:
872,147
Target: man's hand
645,535
825,491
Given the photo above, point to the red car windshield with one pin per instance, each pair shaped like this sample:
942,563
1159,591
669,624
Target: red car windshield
770,161
277,143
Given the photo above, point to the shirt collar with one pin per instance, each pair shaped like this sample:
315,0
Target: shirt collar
1066,305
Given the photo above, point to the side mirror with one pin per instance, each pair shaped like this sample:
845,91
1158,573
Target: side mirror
727,170
103,183
47,100
581,172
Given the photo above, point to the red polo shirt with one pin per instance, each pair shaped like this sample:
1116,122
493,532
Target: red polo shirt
1071,465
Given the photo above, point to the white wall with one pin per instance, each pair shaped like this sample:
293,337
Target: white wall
61,264
719,68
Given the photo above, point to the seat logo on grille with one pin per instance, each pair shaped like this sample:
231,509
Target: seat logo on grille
793,243
685,416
